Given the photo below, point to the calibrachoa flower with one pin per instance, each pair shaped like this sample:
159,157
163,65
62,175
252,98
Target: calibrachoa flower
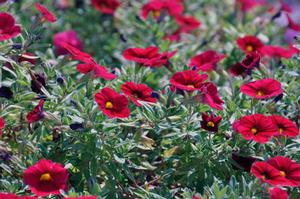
206,61
106,6
262,89
278,51
89,64
237,69
27,57
2,124
249,43
196,197
13,196
293,25
288,169
96,69
148,56
159,7
277,193
137,92
243,161
188,80
210,122
37,113
112,104
69,37
285,126
8,28
267,173
38,80
46,177
46,14
256,127
187,23
209,95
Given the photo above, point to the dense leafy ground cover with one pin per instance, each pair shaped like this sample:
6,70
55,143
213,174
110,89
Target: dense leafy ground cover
149,99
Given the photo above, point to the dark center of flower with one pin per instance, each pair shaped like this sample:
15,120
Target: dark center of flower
282,173
210,124
109,105
249,48
45,177
254,130
260,93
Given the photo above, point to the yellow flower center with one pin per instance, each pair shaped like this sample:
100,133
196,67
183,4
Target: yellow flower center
191,86
254,130
108,105
156,13
263,177
260,93
45,177
282,173
210,124
280,130
249,48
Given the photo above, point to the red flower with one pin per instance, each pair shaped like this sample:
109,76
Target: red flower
3,1
187,23
285,126
246,5
267,173
292,24
83,197
278,51
47,15
249,43
69,37
13,196
262,89
251,60
288,169
196,197
8,28
97,70
112,104
206,61
209,95
77,54
46,177
2,124
37,113
106,6
243,161
137,92
158,7
277,193
210,122
255,127
188,80
148,56
237,69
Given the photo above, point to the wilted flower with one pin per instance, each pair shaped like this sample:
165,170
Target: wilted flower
6,92
46,177
38,80
2,124
37,113
243,161
209,95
